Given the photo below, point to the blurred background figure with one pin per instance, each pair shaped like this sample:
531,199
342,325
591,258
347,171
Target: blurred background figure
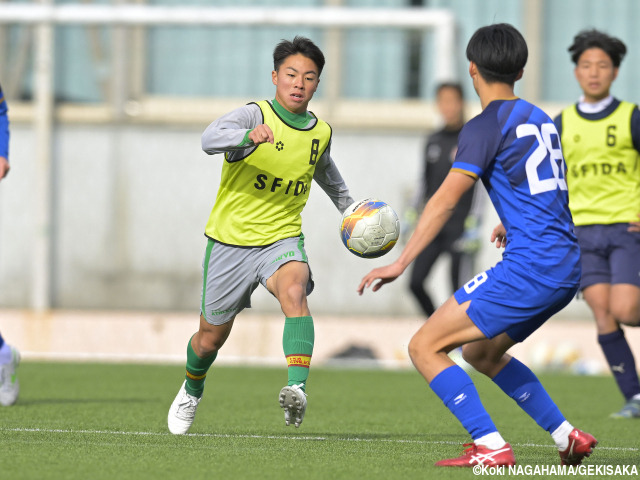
459,238
9,356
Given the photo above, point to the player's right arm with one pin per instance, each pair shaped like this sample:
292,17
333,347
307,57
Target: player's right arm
4,137
261,134
239,129
435,214
4,167
478,145
437,211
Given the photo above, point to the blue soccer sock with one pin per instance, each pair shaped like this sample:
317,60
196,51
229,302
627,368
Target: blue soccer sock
621,362
459,394
521,384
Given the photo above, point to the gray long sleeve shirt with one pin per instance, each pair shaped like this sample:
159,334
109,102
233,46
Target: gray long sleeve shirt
228,134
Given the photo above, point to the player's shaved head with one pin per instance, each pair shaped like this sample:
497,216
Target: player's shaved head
301,45
499,52
593,38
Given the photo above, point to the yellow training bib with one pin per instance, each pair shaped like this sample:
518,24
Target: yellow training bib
603,167
261,196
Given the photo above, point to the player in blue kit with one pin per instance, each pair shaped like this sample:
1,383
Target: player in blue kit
514,148
9,356
4,137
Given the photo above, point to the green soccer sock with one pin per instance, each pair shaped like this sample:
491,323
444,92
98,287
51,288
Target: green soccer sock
197,371
297,343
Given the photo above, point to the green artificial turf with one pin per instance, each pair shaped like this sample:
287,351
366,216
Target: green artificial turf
108,421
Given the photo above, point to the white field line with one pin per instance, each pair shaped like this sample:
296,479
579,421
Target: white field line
275,437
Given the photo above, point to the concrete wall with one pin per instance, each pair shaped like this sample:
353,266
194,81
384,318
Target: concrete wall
81,335
130,204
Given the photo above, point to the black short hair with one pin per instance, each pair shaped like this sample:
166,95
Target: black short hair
300,45
452,85
499,51
593,38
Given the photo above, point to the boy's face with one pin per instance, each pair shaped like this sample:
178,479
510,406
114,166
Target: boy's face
595,74
296,81
450,105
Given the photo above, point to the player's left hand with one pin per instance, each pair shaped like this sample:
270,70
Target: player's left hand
384,274
634,226
499,236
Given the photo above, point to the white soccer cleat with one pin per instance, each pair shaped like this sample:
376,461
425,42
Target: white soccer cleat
182,412
294,401
9,385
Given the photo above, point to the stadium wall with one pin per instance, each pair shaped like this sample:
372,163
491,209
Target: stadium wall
562,345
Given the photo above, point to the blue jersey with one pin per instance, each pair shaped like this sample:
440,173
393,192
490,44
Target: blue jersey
4,127
514,147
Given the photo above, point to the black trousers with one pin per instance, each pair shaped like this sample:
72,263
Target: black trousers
460,271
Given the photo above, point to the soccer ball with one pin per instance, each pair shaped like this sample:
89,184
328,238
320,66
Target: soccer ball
369,228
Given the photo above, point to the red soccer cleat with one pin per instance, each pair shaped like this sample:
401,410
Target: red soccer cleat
481,455
581,444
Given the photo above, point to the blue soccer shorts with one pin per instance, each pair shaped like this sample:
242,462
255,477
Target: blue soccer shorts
610,254
506,298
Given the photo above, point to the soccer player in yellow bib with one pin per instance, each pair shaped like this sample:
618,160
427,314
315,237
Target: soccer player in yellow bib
272,152
601,143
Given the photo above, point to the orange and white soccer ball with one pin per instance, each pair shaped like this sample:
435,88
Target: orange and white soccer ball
370,228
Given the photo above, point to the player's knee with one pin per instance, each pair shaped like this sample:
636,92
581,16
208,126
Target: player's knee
207,344
418,348
296,294
605,322
473,358
480,360
293,299
469,357
628,314
414,350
